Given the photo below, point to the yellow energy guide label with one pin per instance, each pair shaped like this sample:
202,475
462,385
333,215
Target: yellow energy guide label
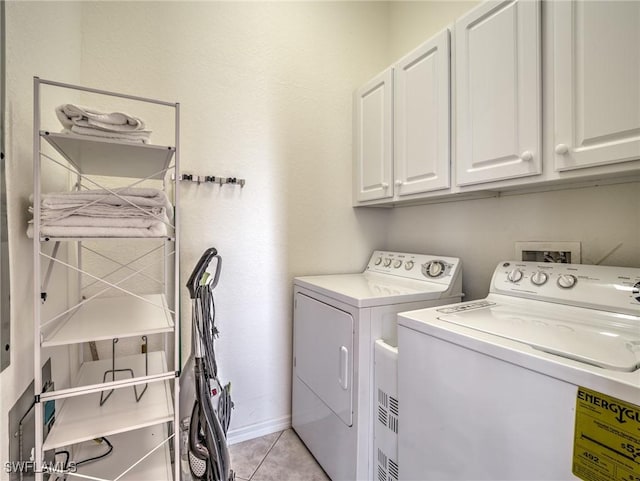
606,443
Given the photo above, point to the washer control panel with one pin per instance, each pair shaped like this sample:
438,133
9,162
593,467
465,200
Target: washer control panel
604,287
420,267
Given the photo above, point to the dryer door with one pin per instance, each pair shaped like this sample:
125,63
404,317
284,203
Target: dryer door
323,350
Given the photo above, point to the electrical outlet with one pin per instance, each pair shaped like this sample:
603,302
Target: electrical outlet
544,251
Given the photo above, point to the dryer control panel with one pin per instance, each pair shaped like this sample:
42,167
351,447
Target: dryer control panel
420,267
608,288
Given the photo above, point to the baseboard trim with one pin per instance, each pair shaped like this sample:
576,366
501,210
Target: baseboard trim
260,429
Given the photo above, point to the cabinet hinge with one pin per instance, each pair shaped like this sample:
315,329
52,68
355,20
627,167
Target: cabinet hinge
177,373
36,398
43,297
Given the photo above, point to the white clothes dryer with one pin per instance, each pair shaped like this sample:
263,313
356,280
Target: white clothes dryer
337,319
539,381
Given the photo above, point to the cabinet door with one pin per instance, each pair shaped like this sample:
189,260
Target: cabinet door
374,138
421,123
498,92
597,82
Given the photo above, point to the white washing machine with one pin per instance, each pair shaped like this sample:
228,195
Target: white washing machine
337,319
539,381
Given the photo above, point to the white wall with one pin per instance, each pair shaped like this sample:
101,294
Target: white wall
483,232
265,91
43,38
413,22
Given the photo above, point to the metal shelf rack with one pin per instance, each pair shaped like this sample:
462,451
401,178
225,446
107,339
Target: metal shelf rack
131,398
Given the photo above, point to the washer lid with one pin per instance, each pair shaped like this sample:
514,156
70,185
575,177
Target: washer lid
370,289
584,335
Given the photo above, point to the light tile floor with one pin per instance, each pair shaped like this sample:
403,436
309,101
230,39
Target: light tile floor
275,457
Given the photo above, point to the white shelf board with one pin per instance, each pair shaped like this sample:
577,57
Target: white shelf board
111,317
128,448
46,238
97,156
81,418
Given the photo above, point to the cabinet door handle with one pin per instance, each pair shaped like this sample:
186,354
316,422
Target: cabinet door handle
399,182
343,366
385,185
562,149
527,156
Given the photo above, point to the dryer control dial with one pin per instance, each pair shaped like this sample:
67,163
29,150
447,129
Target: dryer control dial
433,269
514,275
378,261
397,264
387,262
408,265
539,278
636,291
567,281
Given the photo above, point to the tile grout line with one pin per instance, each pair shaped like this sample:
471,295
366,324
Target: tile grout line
265,456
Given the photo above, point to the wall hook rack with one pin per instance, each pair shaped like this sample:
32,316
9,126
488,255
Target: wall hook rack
214,179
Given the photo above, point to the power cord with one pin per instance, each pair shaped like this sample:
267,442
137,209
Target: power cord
66,461
88,460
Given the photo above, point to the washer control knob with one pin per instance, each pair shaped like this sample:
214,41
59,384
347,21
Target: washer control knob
397,263
636,291
378,261
539,278
408,265
387,262
433,269
567,281
514,275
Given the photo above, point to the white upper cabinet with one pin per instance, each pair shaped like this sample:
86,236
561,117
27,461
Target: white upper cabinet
498,92
596,48
422,118
373,174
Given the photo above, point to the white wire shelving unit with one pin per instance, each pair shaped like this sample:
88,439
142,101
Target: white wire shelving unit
131,398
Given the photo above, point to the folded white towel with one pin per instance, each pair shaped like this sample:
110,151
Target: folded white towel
139,196
114,125
104,211
85,221
137,137
133,212
70,115
158,229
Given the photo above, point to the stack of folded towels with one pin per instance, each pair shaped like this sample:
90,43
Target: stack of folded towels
115,125
133,212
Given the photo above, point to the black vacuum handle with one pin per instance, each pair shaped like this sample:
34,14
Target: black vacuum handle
200,269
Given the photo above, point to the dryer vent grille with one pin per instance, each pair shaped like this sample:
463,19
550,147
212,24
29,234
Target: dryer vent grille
388,411
382,466
393,405
383,398
387,468
382,415
393,470
386,424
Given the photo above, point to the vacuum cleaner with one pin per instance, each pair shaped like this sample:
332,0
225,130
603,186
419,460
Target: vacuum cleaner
205,405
